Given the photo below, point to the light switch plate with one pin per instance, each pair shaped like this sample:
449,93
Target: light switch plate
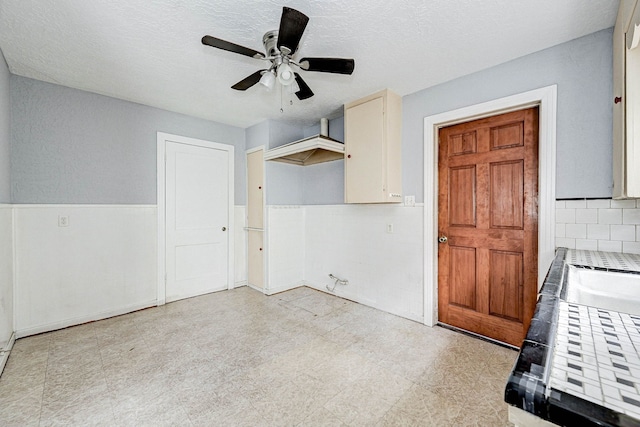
63,221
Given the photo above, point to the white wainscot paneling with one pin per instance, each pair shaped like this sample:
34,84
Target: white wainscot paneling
240,245
285,248
6,283
352,242
102,264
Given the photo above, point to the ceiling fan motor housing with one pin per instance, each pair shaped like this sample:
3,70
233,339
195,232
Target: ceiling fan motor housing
270,42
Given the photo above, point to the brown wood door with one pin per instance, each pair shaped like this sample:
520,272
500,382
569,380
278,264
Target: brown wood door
488,211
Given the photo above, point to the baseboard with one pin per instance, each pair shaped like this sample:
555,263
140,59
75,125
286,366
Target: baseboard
21,333
194,294
284,288
240,284
367,302
6,351
255,288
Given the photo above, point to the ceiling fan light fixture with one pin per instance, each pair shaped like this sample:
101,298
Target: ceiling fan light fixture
268,79
285,74
293,87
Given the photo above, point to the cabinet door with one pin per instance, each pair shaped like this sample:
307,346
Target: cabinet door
255,189
255,259
620,99
626,108
632,107
364,144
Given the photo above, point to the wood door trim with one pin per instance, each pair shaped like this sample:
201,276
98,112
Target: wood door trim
546,99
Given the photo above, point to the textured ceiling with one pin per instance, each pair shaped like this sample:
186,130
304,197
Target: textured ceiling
149,51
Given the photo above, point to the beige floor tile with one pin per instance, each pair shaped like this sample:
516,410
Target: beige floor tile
287,405
397,418
356,406
20,407
434,409
240,358
343,369
86,409
161,410
322,418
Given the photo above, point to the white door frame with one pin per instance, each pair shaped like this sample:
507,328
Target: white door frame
546,99
162,140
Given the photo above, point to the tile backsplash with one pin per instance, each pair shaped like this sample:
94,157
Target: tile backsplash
599,225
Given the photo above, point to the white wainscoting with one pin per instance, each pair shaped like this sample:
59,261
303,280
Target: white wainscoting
240,245
307,243
384,269
102,264
285,253
6,283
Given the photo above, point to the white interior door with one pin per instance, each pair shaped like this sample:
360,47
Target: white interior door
197,220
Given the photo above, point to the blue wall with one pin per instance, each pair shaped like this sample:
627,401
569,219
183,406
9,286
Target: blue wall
71,146
581,68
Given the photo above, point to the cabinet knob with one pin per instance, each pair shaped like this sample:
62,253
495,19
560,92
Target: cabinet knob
260,188
260,248
617,99
348,156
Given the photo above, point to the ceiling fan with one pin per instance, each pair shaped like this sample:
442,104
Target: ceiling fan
280,47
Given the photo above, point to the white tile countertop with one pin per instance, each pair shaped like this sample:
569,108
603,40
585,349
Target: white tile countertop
607,260
596,357
597,352
579,364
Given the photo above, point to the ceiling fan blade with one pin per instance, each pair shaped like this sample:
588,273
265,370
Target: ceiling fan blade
292,25
305,91
231,47
249,81
328,65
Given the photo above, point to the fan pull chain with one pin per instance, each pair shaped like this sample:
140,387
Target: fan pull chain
281,109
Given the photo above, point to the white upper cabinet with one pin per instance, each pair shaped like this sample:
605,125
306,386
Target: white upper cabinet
626,107
373,149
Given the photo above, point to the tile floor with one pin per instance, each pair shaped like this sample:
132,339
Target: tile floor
239,358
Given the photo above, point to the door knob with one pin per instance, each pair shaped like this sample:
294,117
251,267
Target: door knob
224,228
442,239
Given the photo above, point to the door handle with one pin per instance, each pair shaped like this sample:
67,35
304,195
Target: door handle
224,228
442,239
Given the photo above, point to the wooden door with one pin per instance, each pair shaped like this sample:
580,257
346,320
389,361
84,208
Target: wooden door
197,219
488,212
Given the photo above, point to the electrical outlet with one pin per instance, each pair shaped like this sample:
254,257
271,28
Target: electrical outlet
389,228
63,221
410,200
